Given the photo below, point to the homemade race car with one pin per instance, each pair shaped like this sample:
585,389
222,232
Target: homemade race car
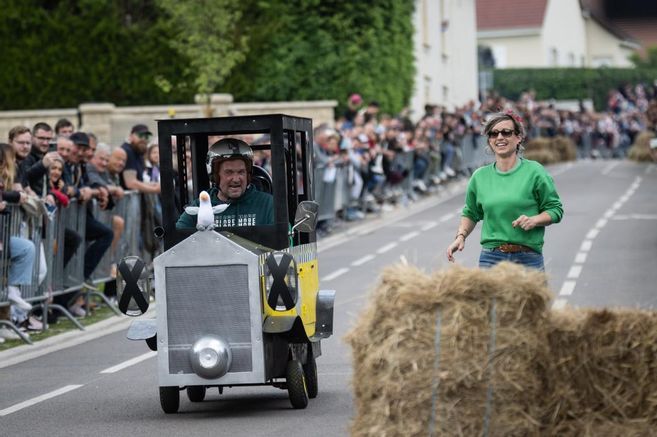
238,306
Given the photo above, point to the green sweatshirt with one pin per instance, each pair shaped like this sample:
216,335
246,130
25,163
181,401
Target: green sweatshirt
500,198
254,208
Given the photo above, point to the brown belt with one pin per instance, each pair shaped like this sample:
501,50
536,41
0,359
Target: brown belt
513,248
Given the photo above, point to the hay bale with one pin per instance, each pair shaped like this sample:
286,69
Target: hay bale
457,352
640,150
538,143
565,148
544,156
603,371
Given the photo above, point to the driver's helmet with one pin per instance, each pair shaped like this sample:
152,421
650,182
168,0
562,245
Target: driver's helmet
226,149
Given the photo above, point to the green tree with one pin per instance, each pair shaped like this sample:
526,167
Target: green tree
312,49
647,61
207,34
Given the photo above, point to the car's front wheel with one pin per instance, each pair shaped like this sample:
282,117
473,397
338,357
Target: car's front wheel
170,399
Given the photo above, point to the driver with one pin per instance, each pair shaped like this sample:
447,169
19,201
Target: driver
229,164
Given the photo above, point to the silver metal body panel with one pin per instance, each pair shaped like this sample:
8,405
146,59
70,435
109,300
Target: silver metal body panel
208,285
324,308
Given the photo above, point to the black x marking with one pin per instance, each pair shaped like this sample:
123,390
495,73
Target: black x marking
279,287
131,289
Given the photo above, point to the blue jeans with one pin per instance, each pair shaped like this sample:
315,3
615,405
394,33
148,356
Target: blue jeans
22,261
491,257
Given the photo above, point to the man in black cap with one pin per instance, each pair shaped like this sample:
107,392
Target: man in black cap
135,148
98,236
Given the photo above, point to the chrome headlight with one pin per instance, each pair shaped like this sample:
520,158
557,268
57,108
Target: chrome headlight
281,281
211,357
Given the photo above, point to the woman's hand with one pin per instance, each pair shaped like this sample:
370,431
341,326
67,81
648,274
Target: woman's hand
457,244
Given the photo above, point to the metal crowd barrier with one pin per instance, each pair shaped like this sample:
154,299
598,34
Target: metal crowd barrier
333,193
48,235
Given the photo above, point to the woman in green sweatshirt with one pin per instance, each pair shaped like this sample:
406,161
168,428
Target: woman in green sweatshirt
515,197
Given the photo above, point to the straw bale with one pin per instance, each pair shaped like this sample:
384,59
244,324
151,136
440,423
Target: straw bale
544,156
565,148
603,371
640,150
410,378
538,143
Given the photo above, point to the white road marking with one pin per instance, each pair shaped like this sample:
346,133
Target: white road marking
447,217
636,217
580,258
335,274
559,304
617,205
586,245
129,363
386,248
600,223
363,260
567,288
429,226
409,236
608,214
574,272
592,234
609,168
36,400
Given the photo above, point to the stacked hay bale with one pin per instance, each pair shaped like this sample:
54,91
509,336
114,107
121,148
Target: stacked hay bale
477,352
550,150
603,373
456,353
640,150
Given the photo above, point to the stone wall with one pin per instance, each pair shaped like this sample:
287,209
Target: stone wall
112,124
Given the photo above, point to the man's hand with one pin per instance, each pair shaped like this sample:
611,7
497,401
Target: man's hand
103,197
116,191
49,157
86,193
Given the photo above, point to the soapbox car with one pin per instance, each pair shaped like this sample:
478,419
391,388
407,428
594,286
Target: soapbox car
238,306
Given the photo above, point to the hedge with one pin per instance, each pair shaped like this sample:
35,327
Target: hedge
568,83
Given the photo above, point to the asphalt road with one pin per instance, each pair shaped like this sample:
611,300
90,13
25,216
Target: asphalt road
604,253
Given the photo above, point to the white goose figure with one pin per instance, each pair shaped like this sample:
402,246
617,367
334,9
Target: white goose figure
205,212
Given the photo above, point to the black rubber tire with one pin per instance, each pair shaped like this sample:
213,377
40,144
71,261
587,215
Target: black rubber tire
170,399
296,385
196,393
310,372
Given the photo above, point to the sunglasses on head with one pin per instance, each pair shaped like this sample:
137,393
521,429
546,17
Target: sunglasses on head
144,135
506,133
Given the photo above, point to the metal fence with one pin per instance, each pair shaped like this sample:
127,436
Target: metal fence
50,276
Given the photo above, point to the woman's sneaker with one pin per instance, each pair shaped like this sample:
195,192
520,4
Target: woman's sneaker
14,296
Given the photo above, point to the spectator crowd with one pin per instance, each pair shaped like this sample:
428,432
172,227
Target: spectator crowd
378,160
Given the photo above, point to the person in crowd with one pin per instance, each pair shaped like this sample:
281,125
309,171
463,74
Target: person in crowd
79,186
135,149
152,171
97,169
116,164
230,162
35,166
64,127
515,197
56,183
20,138
353,105
22,251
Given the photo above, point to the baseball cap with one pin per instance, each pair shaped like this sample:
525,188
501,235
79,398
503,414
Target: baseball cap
80,139
355,99
140,129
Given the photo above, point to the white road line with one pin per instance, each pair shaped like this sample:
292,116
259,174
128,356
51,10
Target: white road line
617,205
363,260
567,288
447,217
609,168
586,245
580,258
409,236
429,226
559,304
335,274
386,248
592,234
608,214
574,272
600,224
129,363
36,400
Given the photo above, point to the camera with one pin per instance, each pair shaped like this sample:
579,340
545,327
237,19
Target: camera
52,146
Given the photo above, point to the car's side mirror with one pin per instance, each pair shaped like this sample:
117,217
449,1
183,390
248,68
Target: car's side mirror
305,218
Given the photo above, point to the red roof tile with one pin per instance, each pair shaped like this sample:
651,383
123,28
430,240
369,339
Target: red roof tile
505,14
